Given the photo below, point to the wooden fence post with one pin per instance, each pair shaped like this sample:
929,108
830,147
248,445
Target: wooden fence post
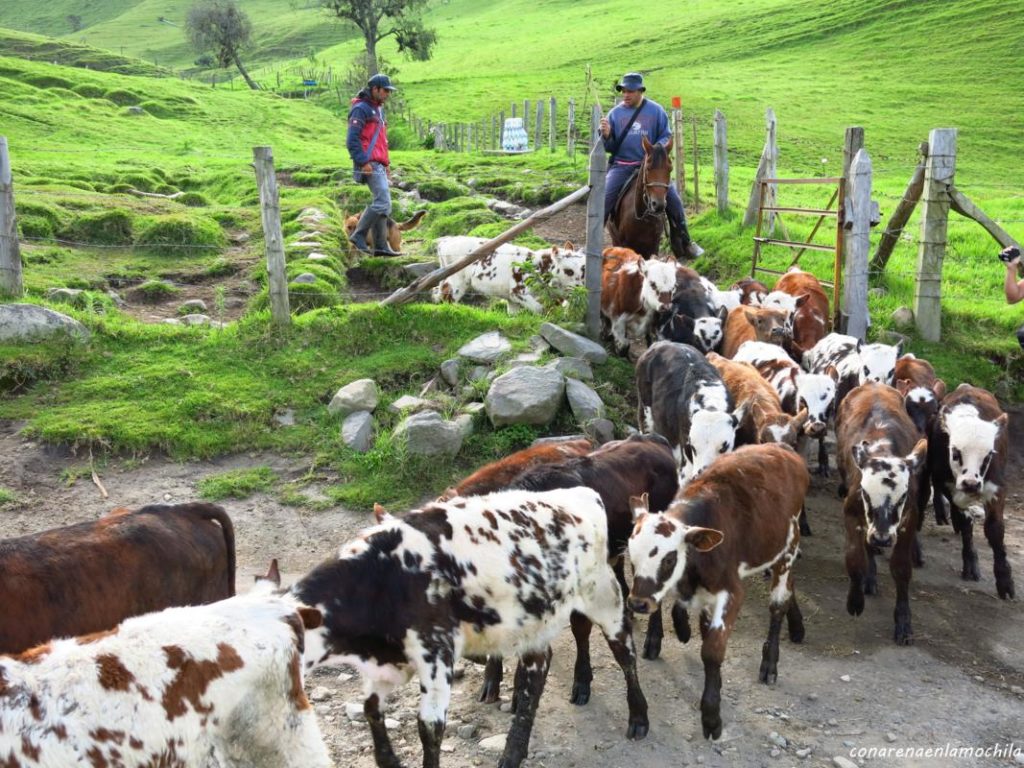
513,109
595,126
551,124
754,202
538,126
439,141
501,129
696,168
526,117
270,212
721,163
853,142
901,215
938,176
495,136
679,145
772,167
856,244
570,141
11,284
595,238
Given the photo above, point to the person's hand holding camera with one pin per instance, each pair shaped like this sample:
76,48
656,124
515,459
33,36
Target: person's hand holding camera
1010,256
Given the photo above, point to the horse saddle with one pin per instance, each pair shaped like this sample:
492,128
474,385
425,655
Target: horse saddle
622,192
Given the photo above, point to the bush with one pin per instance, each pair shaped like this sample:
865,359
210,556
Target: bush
89,91
437,190
177,232
113,227
122,97
36,227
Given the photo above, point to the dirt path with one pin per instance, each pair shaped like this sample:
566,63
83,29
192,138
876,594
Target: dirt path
845,688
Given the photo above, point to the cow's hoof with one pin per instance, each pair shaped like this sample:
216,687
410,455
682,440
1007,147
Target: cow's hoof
652,647
712,725
970,571
904,635
855,602
1004,588
941,519
822,471
841,491
580,693
638,729
870,586
768,673
796,633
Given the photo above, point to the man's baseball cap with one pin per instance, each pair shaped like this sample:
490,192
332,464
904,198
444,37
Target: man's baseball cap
631,81
381,81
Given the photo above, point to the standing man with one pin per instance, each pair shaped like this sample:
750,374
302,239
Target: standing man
367,144
1012,286
623,129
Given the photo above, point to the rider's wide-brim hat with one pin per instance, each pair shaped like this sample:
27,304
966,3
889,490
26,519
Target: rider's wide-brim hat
631,81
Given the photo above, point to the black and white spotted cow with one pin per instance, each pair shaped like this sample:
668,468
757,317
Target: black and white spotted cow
881,462
797,389
497,574
856,362
969,450
692,319
682,397
739,518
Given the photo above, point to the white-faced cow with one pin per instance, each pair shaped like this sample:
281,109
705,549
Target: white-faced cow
921,389
880,461
814,391
855,362
482,575
191,687
682,397
969,451
810,315
691,320
738,519
91,576
633,291
752,292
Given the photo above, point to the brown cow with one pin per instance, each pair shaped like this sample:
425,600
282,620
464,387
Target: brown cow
810,321
497,475
741,518
633,291
752,292
921,389
91,576
880,461
754,324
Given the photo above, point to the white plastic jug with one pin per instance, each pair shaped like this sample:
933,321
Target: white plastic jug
514,138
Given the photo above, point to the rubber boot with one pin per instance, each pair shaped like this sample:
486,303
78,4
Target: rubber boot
381,246
683,247
358,238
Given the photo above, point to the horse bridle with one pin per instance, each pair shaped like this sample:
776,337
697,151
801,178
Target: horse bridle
646,197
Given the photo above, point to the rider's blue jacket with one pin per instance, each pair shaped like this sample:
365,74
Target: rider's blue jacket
652,122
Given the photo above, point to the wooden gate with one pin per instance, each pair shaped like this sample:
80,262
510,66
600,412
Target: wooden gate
822,213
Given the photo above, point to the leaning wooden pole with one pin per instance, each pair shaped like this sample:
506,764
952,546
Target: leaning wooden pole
428,281
962,204
270,211
900,217
595,239
11,284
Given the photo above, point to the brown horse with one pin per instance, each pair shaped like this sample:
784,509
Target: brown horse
638,220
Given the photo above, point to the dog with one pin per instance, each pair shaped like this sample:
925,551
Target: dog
395,229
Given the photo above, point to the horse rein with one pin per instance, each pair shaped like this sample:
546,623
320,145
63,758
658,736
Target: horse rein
646,197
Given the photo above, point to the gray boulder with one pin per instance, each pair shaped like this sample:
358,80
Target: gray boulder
409,403
572,344
28,322
195,320
525,396
360,395
600,431
486,349
428,434
357,431
573,366
903,317
450,372
63,295
191,306
306,278
585,403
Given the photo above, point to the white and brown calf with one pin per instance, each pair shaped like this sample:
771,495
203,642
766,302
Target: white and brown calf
814,391
880,461
633,291
855,362
770,324
483,575
682,397
217,684
922,390
752,292
969,451
739,518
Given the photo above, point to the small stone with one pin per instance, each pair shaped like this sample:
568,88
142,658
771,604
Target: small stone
890,737
306,278
321,694
195,320
360,395
192,305
344,677
466,731
849,744
487,348
285,418
495,744
600,431
357,431
845,678
803,753
448,745
465,423
903,317
505,706
843,762
391,724
354,712
775,752
778,739
1018,757
408,403
832,722
812,697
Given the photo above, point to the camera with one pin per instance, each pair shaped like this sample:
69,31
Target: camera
1009,254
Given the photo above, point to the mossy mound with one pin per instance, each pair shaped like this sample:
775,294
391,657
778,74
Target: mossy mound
194,200
123,97
89,91
113,227
143,182
321,271
40,210
63,93
48,81
461,223
437,190
36,227
156,291
177,233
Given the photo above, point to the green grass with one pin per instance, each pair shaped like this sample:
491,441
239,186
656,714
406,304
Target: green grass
237,484
7,497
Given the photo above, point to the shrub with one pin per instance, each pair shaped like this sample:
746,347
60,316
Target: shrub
113,227
123,97
35,227
177,232
89,91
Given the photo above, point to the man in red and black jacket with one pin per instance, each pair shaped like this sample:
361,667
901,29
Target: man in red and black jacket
367,144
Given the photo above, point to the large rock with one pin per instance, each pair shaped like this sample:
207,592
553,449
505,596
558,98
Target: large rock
357,431
409,403
525,396
192,306
600,431
360,395
572,344
64,295
450,372
428,434
573,366
486,349
28,322
903,317
585,403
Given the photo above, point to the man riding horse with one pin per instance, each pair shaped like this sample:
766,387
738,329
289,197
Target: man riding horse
624,130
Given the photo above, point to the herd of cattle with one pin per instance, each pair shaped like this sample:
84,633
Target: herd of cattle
709,492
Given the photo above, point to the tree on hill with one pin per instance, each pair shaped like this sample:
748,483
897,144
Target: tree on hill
378,19
224,28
